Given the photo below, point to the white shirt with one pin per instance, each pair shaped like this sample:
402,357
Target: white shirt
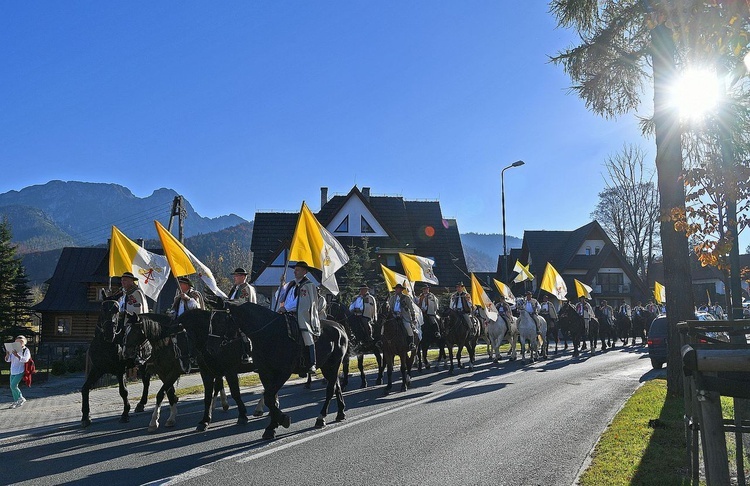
17,365
529,307
191,303
397,306
290,300
358,304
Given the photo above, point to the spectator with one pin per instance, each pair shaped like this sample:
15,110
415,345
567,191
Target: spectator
17,366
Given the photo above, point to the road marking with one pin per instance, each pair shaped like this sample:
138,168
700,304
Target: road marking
186,476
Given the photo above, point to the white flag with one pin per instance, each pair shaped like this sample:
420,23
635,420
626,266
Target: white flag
418,269
125,255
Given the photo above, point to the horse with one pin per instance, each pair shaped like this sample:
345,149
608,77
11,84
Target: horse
607,329
458,333
527,330
103,357
624,326
432,332
363,337
496,331
276,357
571,323
395,343
641,322
157,331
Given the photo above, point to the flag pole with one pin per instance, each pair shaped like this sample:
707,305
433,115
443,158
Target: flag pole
282,279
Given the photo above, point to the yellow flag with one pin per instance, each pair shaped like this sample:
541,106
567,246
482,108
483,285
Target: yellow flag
175,252
505,290
315,245
125,255
392,278
523,272
660,292
553,283
480,298
582,290
418,269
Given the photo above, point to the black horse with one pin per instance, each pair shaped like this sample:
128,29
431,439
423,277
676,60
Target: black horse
363,337
215,343
571,324
395,342
156,333
607,329
642,320
432,333
458,333
276,357
104,357
624,325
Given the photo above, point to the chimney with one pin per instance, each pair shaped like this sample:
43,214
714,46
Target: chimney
323,196
366,193
140,242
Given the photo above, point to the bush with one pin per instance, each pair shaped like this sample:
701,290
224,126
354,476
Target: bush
58,368
77,362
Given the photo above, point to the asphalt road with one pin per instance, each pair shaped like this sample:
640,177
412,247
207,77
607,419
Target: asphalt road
500,424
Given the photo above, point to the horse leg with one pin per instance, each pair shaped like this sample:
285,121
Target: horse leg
471,350
425,346
259,408
92,378
389,374
220,394
381,365
344,381
172,397
154,424
330,390
125,417
209,384
361,367
340,405
450,357
234,389
146,381
404,372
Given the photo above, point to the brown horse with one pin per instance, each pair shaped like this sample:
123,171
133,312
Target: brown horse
395,343
457,333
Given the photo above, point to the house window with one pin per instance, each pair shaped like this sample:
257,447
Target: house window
588,251
390,260
343,227
597,250
610,282
63,325
365,227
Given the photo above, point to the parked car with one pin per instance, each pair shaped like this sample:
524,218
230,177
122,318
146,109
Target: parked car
658,345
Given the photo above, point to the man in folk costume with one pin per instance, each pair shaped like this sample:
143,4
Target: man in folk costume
651,307
187,298
504,310
533,307
132,299
584,310
300,299
461,303
429,305
548,310
607,312
364,306
624,309
240,293
400,306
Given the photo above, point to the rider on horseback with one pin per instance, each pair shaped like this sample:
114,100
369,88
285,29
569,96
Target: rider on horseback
365,307
299,298
532,307
401,308
548,310
504,310
240,293
429,305
132,299
461,303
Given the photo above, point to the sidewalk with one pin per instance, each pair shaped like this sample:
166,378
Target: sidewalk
57,402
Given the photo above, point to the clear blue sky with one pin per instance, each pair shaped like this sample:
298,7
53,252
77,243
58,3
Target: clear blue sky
245,106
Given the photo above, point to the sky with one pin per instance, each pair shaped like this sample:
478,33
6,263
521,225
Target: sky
253,106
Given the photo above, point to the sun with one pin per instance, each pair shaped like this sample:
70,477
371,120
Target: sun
695,93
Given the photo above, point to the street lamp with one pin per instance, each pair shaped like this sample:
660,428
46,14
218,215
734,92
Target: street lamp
517,163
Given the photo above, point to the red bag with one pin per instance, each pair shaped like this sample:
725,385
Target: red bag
28,370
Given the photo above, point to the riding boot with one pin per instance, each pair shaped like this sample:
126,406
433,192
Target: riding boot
311,351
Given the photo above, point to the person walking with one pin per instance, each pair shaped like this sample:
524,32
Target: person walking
17,367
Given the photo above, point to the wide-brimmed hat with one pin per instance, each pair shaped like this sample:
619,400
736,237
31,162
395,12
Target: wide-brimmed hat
185,280
460,284
398,286
301,264
364,286
529,292
21,337
129,275
239,271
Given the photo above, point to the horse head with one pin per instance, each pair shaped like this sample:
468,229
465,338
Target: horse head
110,322
135,337
361,328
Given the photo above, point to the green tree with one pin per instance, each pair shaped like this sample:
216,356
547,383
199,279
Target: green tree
15,295
623,45
359,269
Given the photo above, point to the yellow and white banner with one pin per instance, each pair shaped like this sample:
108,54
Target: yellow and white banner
505,290
185,263
523,272
660,292
315,245
479,297
418,269
125,255
392,278
582,290
553,283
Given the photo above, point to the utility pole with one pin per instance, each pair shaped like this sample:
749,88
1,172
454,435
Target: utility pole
178,210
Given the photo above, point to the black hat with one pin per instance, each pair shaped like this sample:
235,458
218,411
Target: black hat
129,275
529,292
398,286
460,284
364,286
239,271
302,264
425,286
185,280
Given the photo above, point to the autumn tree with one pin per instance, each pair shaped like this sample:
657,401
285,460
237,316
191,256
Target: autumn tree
628,207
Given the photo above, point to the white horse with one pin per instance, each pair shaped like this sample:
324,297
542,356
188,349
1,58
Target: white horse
496,331
527,333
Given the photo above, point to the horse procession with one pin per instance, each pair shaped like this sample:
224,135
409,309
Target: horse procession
220,336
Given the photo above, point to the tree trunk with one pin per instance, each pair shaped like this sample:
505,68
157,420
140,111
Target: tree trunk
677,278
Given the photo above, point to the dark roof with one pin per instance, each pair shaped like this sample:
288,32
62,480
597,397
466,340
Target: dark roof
404,221
76,268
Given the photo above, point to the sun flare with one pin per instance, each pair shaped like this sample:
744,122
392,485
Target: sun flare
696,93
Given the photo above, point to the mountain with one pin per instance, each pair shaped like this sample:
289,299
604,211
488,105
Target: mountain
482,250
59,213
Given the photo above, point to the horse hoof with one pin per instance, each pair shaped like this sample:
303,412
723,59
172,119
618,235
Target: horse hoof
269,434
170,423
257,414
124,419
202,426
286,421
85,422
379,381
427,366
320,423
242,420
340,417
139,408
153,428
385,392
225,407
363,385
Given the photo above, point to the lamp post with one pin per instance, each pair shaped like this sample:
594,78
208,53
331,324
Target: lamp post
517,163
